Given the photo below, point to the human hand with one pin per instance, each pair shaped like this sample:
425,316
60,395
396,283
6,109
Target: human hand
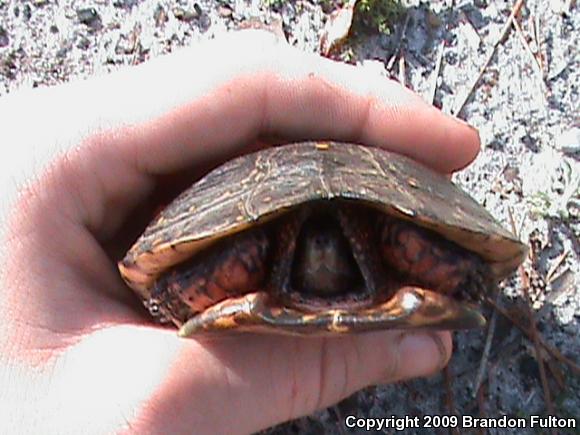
76,355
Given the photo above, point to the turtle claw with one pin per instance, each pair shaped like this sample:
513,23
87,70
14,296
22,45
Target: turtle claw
409,308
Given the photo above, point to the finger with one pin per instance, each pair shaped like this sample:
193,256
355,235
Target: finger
251,382
209,102
278,90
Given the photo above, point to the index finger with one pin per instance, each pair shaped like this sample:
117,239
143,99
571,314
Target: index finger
258,87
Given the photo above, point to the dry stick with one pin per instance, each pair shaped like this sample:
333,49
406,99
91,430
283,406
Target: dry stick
535,62
486,349
481,406
449,400
551,350
438,62
391,61
515,10
556,265
536,26
402,70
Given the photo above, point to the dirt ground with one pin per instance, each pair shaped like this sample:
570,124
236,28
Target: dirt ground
525,105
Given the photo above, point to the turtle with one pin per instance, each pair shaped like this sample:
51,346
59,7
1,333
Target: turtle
320,238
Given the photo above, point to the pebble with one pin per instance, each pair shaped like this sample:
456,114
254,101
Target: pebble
160,16
185,15
26,12
125,4
224,11
90,18
4,40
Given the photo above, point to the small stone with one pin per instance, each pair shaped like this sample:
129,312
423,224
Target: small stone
83,43
125,4
451,57
90,18
26,12
53,29
224,11
204,22
184,15
62,52
160,16
4,40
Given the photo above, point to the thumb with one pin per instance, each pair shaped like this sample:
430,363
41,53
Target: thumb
244,383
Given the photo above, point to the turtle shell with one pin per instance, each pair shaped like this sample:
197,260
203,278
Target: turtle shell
254,188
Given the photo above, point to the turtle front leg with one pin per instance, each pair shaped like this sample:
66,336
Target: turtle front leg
428,260
228,269
284,251
361,234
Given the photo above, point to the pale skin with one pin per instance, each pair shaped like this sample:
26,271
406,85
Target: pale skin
77,354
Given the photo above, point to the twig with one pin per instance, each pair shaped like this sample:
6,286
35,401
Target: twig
402,70
393,58
481,404
536,27
486,350
432,92
515,10
551,350
535,62
555,266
